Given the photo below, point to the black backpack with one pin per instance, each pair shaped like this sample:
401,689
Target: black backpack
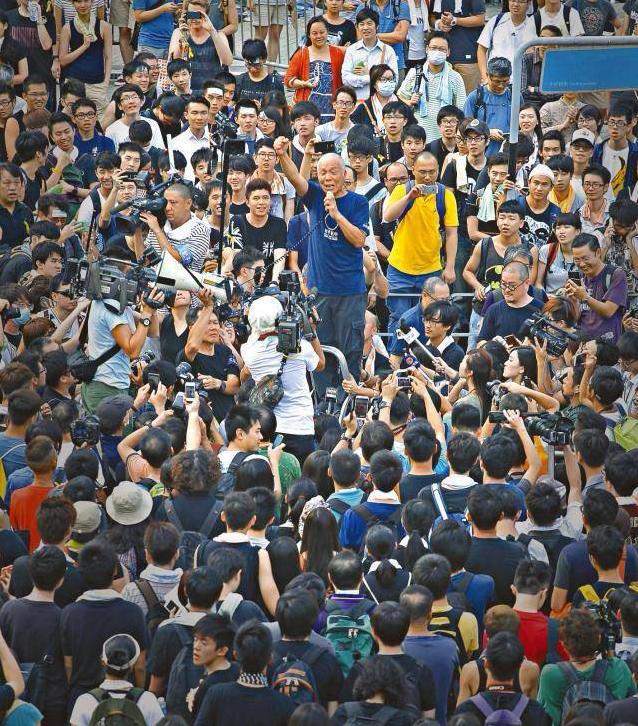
356,716
338,505
189,541
457,592
156,611
227,480
537,19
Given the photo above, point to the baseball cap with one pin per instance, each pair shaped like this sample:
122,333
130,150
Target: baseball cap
112,410
88,517
584,135
477,127
542,170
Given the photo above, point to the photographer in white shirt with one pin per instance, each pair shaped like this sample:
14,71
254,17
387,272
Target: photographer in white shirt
295,410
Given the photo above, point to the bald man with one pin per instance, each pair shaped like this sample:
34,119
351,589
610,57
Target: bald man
507,316
339,225
427,217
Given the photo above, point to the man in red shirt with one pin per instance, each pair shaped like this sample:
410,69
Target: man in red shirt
41,457
531,582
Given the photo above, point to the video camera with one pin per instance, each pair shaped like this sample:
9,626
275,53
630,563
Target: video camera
85,431
224,135
542,327
552,428
298,310
609,624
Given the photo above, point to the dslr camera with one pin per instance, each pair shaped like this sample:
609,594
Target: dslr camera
85,431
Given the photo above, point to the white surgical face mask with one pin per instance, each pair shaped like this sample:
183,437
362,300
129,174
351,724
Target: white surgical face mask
386,88
437,57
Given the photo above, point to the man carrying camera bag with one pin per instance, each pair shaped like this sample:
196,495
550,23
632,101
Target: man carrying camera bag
114,339
294,411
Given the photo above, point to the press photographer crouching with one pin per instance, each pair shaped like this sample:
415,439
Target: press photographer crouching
265,356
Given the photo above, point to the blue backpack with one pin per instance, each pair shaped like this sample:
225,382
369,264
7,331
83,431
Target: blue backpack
293,676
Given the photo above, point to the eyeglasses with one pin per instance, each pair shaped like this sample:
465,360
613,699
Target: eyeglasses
129,97
511,286
266,155
474,139
449,122
397,180
344,104
592,185
5,103
616,124
88,114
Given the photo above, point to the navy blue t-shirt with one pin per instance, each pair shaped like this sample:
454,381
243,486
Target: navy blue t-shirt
503,320
335,266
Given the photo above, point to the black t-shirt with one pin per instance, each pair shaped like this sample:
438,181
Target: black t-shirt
71,588
85,625
411,485
249,580
226,676
499,559
11,53
192,510
502,319
367,710
19,263
51,396
219,365
472,204
25,32
232,704
625,711
325,668
440,150
11,548
421,693
165,647
272,236
171,344
256,90
533,715
342,34
32,631
538,225
236,209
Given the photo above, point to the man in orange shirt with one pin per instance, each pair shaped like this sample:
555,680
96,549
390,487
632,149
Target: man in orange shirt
41,457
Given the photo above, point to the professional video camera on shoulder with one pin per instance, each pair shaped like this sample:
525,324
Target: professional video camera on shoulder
299,310
541,326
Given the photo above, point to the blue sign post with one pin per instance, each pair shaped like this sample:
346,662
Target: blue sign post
579,70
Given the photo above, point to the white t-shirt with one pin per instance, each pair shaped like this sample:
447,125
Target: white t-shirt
558,20
295,410
615,160
503,39
118,132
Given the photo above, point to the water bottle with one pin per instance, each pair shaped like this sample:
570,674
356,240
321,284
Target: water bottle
33,11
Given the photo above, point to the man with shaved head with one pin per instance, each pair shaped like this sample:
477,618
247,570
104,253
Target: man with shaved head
426,217
507,316
339,225
184,236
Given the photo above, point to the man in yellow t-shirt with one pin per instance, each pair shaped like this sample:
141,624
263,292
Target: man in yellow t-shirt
416,250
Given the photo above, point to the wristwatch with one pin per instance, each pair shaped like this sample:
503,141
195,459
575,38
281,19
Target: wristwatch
145,322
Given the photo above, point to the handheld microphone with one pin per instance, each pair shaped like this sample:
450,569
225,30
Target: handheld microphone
410,336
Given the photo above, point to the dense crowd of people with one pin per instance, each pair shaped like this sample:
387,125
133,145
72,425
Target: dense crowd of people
311,411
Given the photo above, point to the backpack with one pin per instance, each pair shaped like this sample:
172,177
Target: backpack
501,716
355,715
184,675
440,203
350,633
117,711
457,592
370,519
189,541
437,498
449,627
480,91
537,20
591,689
156,610
227,480
293,676
11,254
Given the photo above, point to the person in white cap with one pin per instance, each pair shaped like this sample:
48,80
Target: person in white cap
128,505
581,150
540,213
295,410
119,655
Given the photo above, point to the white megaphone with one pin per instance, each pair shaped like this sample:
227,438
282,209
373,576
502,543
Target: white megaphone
173,275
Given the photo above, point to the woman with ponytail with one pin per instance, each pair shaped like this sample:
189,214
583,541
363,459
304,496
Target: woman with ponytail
386,579
417,517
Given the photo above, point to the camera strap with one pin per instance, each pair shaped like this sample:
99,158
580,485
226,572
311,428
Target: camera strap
84,335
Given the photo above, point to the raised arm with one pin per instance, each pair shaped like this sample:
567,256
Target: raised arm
282,144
